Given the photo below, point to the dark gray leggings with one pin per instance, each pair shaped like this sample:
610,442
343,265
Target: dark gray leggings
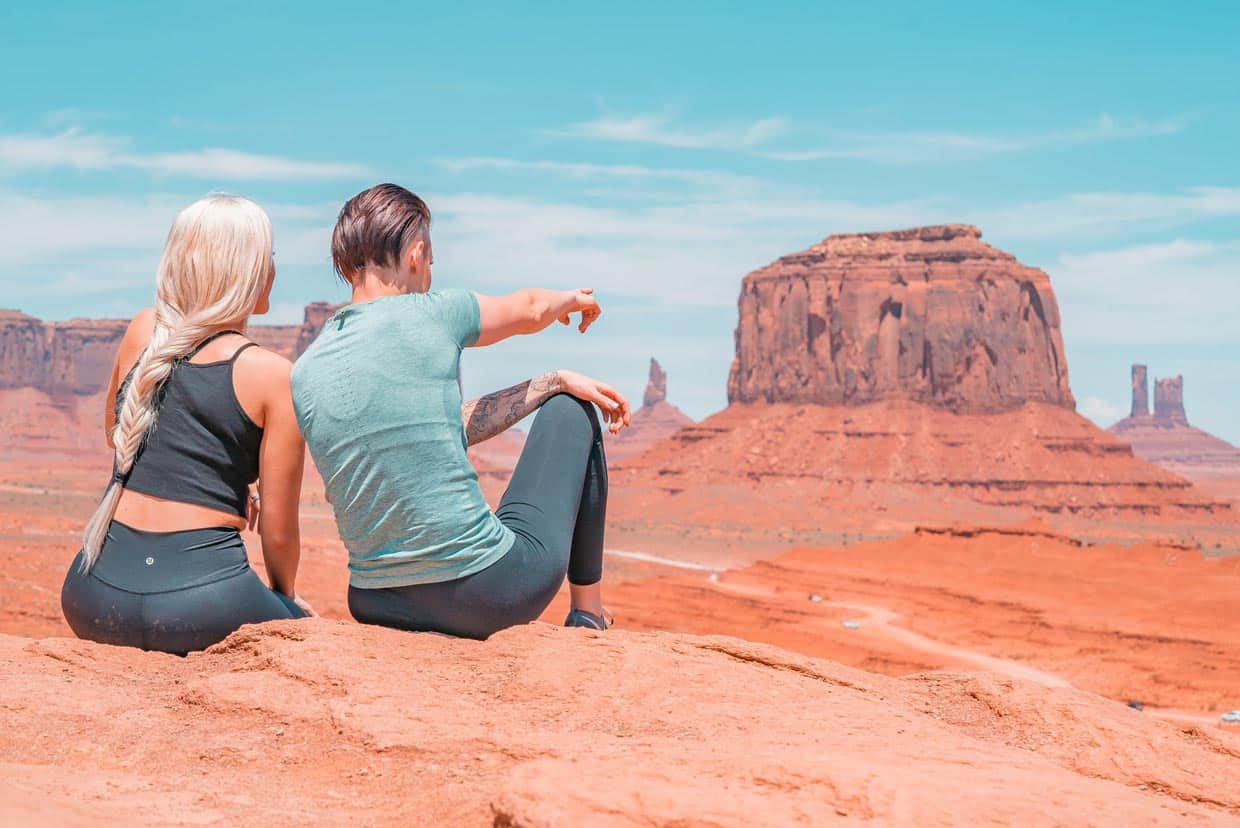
556,504
169,591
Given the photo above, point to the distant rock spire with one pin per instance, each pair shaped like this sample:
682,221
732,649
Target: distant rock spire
1169,400
1140,392
656,386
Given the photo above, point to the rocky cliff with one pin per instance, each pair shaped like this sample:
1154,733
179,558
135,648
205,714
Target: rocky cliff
931,314
75,357
57,358
656,420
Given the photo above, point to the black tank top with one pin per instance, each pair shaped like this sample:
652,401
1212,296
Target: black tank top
203,448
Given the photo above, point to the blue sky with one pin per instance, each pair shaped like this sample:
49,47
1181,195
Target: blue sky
657,152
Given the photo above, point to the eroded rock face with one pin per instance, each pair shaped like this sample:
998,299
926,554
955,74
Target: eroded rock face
1169,399
75,357
931,314
1140,392
57,358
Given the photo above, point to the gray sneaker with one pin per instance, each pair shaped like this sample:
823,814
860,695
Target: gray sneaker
581,618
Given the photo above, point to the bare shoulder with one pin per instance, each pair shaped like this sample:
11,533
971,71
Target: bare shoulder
263,366
143,322
261,383
136,337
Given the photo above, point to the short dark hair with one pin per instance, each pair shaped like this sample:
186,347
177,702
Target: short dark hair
375,226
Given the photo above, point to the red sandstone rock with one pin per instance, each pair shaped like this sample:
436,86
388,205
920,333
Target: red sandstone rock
320,721
656,385
1169,400
849,472
67,360
931,314
292,340
1140,392
656,420
919,377
1167,439
57,358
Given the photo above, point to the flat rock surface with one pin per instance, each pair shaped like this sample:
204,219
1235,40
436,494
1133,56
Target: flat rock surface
323,721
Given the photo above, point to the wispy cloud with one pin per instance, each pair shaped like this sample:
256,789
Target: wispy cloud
1179,291
899,147
661,130
1102,412
105,238
1079,215
75,149
913,147
691,251
940,146
586,171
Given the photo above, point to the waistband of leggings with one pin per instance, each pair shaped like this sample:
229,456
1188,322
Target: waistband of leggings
147,562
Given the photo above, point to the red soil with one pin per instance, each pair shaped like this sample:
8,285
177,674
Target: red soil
1149,623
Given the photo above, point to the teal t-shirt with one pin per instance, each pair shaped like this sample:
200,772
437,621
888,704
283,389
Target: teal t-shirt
378,399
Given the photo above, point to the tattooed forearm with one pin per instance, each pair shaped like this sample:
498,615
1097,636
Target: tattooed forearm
490,415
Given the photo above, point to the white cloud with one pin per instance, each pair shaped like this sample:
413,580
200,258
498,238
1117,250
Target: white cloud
1090,214
589,171
660,130
39,230
933,147
692,251
1182,291
1103,412
904,147
76,246
79,150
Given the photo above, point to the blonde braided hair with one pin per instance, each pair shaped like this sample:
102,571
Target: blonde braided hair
213,271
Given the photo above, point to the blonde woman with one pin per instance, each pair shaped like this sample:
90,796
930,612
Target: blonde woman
196,413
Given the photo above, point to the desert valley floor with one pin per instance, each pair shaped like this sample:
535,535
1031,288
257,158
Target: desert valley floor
1009,653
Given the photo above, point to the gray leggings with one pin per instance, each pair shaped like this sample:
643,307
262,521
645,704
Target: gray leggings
169,591
556,504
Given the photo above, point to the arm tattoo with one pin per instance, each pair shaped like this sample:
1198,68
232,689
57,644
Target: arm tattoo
495,413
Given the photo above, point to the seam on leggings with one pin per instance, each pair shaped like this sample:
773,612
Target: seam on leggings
170,591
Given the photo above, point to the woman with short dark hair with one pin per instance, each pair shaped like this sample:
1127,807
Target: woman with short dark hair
378,400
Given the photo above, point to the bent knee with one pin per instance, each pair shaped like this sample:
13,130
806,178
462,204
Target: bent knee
567,411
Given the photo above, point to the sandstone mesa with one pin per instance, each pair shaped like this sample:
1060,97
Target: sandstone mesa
931,314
